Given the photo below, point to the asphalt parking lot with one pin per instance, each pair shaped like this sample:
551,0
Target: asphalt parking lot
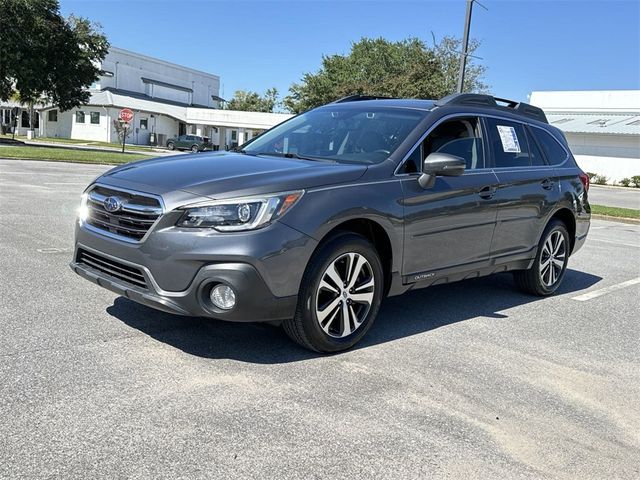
615,196
471,380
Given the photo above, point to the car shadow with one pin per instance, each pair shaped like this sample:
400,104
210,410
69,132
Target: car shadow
415,312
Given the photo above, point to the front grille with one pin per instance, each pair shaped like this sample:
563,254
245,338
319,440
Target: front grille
135,216
112,268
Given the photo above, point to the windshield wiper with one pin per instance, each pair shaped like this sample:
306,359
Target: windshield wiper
243,152
296,156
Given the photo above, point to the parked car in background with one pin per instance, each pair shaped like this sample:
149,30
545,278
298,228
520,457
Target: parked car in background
316,221
195,143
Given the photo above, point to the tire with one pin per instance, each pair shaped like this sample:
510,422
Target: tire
546,274
195,148
171,146
319,295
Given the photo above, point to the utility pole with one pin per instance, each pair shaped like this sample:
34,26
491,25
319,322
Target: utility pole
465,46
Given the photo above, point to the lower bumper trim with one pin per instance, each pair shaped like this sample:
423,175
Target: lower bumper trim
129,291
255,302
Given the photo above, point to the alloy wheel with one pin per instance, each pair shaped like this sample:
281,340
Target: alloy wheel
345,295
552,258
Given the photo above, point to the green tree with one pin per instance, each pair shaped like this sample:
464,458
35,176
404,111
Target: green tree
44,55
405,69
249,101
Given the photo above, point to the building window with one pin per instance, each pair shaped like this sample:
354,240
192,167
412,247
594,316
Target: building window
95,118
25,119
234,135
79,116
52,115
144,123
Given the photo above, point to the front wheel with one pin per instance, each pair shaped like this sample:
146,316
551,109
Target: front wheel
195,148
546,274
339,296
171,146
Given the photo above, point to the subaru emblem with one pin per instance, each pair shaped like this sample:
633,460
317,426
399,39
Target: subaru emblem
112,204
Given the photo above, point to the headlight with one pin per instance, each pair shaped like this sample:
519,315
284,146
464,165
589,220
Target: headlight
83,210
238,214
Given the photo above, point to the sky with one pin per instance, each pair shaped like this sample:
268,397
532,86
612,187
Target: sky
254,45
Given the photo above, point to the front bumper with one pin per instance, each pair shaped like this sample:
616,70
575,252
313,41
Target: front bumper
254,301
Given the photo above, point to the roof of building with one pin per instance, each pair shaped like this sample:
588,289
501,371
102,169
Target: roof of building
588,101
187,114
601,123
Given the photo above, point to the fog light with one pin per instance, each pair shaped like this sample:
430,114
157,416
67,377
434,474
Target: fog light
223,297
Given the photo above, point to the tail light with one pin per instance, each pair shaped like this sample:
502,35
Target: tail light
584,178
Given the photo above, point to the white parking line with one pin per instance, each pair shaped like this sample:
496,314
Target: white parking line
64,183
637,245
603,291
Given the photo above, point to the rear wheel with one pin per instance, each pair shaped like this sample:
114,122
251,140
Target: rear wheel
339,296
171,146
195,148
546,273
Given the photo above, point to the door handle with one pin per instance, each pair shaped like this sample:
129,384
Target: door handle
547,184
487,192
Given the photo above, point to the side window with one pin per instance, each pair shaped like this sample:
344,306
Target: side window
413,164
552,149
537,159
461,137
508,143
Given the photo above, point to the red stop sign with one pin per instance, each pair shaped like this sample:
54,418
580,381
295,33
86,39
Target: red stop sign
126,115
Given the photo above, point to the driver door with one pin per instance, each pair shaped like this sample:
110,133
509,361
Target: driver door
449,226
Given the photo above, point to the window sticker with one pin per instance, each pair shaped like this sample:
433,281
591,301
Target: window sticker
509,139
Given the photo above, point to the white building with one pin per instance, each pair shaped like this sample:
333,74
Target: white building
167,100
602,128
10,109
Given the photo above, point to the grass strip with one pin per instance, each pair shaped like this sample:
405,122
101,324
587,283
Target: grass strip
73,141
68,155
615,211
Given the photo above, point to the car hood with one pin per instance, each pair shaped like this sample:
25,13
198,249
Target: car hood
226,174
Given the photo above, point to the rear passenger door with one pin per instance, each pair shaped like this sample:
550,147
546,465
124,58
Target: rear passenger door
449,226
528,188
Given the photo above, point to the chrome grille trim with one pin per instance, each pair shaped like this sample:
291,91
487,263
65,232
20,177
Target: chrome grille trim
99,199
132,222
112,268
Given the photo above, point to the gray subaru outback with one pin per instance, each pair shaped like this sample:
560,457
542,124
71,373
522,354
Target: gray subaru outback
313,223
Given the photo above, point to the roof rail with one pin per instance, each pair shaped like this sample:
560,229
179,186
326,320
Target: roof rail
357,98
481,100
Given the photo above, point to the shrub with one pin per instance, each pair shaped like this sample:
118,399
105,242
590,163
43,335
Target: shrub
636,180
591,175
600,179
625,182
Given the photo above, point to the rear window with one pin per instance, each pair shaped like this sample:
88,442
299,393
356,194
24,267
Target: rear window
552,149
508,143
537,159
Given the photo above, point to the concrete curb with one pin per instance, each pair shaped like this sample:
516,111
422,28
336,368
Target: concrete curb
614,187
64,161
633,221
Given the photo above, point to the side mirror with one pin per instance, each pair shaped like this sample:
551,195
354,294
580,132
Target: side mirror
440,164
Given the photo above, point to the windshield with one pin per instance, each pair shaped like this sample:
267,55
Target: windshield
345,135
